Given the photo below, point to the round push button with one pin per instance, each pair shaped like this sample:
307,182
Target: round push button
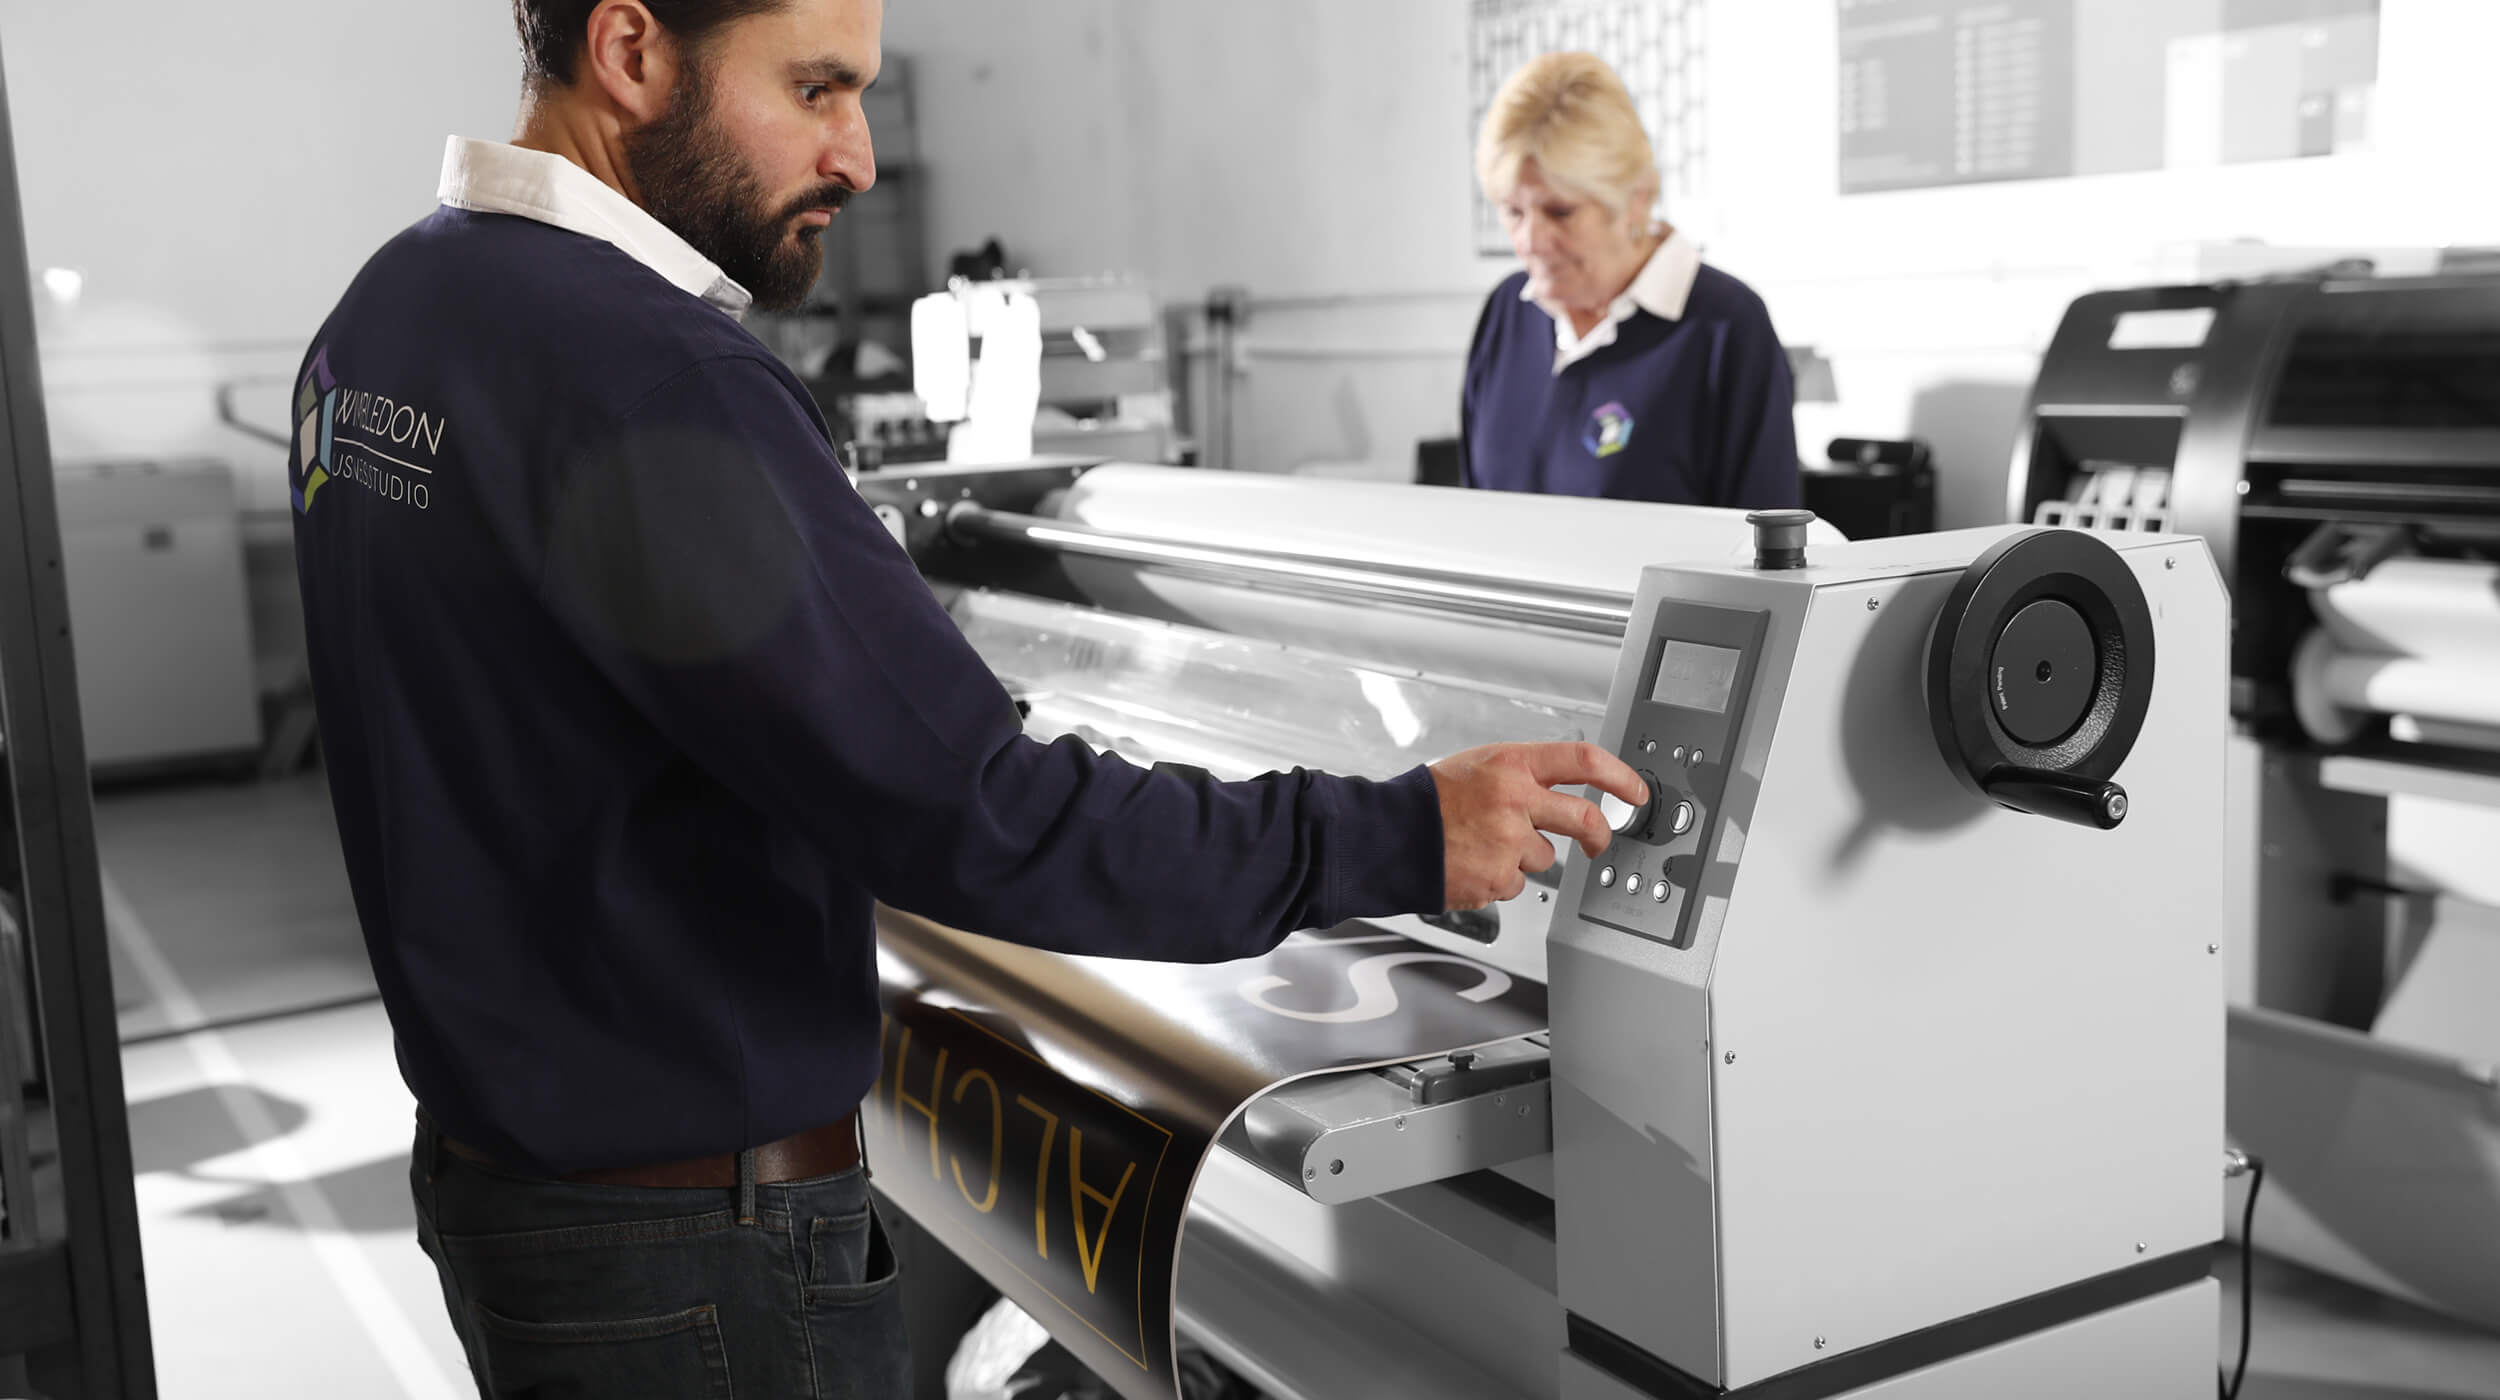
1682,820
1606,878
1632,885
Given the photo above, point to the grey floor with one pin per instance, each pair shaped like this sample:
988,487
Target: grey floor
272,1149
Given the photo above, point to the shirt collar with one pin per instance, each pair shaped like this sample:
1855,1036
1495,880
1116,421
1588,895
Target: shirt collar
492,177
1662,288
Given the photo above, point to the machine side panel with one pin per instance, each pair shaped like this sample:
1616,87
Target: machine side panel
1635,1213
1923,1118
1633,1210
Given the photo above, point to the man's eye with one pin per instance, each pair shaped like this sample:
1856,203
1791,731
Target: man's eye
813,93
1560,213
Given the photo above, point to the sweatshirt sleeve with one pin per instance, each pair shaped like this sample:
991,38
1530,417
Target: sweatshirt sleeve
1756,413
711,559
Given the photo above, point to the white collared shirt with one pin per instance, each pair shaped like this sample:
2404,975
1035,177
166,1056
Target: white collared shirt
492,177
1661,288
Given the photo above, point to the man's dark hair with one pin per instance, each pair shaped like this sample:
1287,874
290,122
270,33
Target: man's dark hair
554,32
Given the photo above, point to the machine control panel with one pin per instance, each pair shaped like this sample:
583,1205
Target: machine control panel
1695,681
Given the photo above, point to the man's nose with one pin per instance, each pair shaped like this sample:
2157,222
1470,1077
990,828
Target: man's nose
850,156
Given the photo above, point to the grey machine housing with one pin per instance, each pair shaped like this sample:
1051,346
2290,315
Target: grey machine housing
1899,1090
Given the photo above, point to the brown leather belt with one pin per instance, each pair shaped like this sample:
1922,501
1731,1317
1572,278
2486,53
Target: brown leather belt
798,1157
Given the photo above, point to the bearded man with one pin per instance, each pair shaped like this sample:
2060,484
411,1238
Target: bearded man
632,711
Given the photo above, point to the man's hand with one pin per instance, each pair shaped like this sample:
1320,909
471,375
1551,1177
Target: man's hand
1495,801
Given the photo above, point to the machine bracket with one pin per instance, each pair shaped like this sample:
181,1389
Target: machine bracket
1348,1137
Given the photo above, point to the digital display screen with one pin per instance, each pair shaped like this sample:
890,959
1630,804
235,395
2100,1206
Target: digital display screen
1695,676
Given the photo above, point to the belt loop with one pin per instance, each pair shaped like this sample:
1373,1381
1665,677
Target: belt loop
746,1187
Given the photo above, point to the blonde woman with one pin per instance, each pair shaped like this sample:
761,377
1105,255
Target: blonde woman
1614,363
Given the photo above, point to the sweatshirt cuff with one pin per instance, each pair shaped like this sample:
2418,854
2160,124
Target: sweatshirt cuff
1386,858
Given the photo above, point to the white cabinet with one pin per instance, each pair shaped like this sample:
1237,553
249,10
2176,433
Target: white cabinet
158,617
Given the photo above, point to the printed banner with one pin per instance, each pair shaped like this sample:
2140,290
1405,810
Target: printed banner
1045,1116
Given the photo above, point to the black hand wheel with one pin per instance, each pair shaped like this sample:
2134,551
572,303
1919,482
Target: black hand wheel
2040,673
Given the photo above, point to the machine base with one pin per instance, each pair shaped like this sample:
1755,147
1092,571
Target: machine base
2157,1348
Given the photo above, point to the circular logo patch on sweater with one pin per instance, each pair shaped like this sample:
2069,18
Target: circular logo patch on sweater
1610,430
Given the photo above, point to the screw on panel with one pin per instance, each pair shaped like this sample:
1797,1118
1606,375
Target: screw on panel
1401,1122
2213,947
1541,896
1310,1173
1820,1343
2139,1246
1731,1057
1523,1110
2170,561
1870,605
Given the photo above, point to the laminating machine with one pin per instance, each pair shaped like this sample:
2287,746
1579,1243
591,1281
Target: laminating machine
1881,1054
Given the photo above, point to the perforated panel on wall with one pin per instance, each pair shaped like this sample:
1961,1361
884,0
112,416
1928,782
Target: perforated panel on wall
1658,48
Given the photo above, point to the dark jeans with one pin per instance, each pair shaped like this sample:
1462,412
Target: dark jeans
560,1290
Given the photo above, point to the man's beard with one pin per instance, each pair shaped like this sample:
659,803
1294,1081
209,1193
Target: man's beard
691,179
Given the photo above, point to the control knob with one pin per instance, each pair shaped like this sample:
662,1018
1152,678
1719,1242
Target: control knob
1625,818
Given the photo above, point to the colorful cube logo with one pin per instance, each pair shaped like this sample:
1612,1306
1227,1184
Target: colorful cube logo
1609,431
316,404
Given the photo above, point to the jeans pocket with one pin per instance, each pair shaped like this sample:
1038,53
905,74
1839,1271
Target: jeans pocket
678,1354
837,1248
855,1323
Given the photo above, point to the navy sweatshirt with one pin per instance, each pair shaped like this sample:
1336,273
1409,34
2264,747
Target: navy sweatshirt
1694,411
631,709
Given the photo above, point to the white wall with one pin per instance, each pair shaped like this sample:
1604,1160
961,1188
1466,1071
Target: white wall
1315,150
1934,305
218,173
219,182
1299,148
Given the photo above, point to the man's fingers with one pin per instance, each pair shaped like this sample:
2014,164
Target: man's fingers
1537,856
1570,765
1573,818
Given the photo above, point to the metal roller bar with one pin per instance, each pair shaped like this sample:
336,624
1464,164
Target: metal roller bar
1593,611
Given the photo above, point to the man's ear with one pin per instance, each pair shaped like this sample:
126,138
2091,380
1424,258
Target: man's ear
630,58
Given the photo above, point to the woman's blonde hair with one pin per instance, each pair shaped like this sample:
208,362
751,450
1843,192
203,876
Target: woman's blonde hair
1570,114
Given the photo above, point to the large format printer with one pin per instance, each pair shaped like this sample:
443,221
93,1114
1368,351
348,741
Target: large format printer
1880,1054
2337,444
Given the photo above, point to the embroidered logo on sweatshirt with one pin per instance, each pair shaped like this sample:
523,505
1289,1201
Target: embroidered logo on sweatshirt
1610,430
365,437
